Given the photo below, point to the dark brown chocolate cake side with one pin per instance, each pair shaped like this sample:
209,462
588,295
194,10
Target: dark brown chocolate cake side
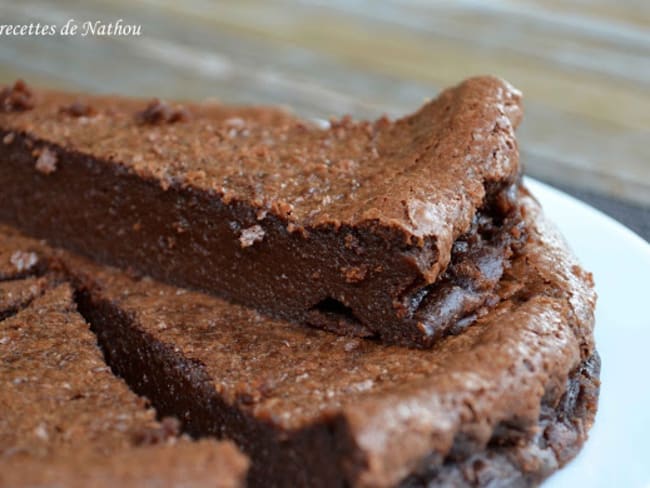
509,399
396,230
67,421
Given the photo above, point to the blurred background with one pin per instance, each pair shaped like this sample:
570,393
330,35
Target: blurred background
583,65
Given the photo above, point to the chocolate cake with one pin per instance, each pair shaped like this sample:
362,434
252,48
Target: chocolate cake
394,230
504,402
68,421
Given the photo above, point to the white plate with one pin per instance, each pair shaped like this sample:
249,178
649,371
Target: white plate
617,453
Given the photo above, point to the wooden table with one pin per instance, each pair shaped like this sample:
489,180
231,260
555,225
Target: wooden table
584,67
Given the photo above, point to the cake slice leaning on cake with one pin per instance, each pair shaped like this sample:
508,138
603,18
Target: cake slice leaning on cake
395,230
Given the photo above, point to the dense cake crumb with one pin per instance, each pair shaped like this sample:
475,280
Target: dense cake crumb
271,197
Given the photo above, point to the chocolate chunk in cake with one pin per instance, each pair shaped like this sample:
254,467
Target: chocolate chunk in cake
396,230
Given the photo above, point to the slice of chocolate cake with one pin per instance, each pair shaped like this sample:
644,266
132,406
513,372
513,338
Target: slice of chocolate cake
397,230
505,402
67,421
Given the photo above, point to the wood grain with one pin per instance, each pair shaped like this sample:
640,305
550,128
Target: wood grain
584,67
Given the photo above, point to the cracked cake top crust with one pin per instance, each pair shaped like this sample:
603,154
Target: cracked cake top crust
424,174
